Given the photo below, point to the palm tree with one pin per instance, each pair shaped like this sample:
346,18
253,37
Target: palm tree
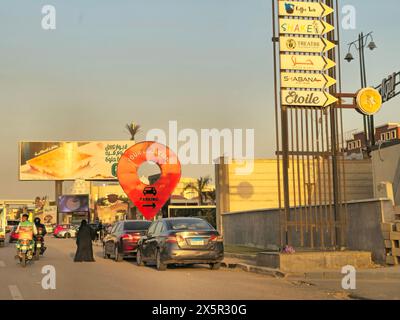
133,130
200,187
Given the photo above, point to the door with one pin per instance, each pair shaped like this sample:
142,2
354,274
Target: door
153,243
109,240
147,243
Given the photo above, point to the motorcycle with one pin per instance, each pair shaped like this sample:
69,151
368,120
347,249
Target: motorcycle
39,246
25,251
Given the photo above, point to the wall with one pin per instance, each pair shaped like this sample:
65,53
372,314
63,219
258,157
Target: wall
386,168
259,190
261,228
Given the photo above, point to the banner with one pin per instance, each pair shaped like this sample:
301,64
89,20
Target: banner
86,160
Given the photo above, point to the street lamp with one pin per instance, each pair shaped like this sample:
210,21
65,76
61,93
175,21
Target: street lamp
360,44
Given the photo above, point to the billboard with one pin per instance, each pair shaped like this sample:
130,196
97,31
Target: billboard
86,160
73,203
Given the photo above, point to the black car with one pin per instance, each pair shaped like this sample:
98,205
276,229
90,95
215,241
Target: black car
123,239
181,241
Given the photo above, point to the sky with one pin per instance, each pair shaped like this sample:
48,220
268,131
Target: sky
204,63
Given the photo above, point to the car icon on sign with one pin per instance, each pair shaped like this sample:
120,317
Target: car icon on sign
149,190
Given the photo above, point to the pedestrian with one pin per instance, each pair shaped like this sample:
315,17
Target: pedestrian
84,238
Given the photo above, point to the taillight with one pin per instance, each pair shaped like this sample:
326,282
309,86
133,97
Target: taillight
127,237
171,239
216,238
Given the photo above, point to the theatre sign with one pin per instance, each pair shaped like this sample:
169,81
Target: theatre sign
303,54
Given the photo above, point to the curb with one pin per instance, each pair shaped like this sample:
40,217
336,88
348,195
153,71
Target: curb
254,269
338,276
241,256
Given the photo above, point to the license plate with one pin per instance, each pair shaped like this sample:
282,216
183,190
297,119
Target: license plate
197,242
39,245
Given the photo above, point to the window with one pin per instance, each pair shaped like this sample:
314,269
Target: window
393,135
137,225
189,224
152,228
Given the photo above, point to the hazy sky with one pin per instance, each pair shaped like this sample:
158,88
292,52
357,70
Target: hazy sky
204,63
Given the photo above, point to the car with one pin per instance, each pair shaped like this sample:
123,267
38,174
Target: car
184,241
150,191
13,235
49,228
11,224
65,231
122,241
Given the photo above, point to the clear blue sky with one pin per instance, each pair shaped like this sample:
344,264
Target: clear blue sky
204,63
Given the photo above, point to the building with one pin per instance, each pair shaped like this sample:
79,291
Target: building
355,147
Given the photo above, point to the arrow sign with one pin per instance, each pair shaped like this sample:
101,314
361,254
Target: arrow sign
306,80
307,98
153,205
303,44
308,27
306,63
304,9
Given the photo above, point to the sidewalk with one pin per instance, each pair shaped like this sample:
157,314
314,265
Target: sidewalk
372,284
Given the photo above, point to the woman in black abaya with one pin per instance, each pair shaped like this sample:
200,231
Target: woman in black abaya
84,238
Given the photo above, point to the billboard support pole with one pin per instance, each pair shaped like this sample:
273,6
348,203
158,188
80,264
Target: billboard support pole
58,194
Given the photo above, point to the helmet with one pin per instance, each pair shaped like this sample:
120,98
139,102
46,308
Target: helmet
37,220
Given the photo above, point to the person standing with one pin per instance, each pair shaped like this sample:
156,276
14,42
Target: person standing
85,236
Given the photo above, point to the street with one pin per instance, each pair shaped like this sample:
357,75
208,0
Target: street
109,280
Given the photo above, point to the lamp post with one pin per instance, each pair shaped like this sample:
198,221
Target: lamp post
360,44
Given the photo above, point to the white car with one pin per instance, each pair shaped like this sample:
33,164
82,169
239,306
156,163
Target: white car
71,232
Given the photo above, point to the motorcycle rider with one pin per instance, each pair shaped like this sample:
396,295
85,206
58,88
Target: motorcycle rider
26,225
41,231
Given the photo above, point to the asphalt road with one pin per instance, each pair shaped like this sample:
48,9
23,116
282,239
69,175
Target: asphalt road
109,280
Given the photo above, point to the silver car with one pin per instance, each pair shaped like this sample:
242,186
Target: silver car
70,232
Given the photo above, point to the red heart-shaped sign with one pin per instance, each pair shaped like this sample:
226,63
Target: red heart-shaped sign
149,199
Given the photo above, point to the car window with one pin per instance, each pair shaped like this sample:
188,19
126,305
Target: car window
152,228
119,228
137,225
158,228
114,227
189,224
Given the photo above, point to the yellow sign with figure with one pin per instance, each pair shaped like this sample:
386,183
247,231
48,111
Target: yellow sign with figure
306,27
307,98
306,80
369,101
304,9
303,44
306,63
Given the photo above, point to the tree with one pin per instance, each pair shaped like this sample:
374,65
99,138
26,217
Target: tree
200,187
133,130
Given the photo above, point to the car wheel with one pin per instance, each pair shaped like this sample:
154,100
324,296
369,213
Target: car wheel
139,258
117,256
160,265
67,236
105,255
215,266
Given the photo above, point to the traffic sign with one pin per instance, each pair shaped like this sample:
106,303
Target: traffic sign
303,44
369,101
306,80
307,98
306,62
307,27
304,9
149,199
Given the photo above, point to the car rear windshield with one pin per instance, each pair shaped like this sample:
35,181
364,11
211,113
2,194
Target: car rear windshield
189,224
137,225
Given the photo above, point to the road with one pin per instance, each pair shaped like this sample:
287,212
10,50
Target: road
109,280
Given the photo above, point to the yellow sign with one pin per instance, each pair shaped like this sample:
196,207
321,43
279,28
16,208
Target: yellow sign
369,101
307,98
307,27
303,44
306,80
304,9
306,63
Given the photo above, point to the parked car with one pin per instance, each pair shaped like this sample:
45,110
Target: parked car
65,231
13,235
49,228
11,224
181,241
122,241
